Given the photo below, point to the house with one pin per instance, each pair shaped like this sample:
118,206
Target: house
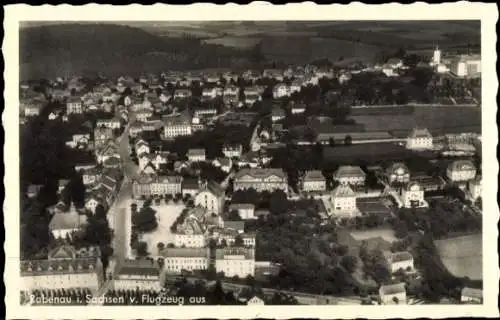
177,125
190,259
412,196
392,294
471,295
461,171
268,179
102,135
78,139
145,159
343,201
231,90
190,187
281,90
229,235
225,164
182,93
74,106
298,108
192,236
277,114
142,274
235,261
246,211
112,123
397,261
144,115
141,147
394,63
33,190
313,181
106,152
419,139
196,155
32,110
238,226
112,162
64,224
212,93
209,111
62,184
273,74
232,151
397,173
147,185
211,197
60,274
352,175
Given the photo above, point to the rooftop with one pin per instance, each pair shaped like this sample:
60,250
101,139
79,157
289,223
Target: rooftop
462,165
314,175
348,171
55,267
227,253
139,267
67,220
392,288
185,252
472,292
260,173
343,191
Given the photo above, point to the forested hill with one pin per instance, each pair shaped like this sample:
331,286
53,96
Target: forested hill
86,49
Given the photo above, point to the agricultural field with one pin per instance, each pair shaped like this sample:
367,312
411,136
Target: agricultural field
434,118
234,42
462,255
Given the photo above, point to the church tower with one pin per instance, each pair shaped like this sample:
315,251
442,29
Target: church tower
436,58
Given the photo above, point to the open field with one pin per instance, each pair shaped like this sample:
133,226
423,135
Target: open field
462,255
166,215
434,118
385,234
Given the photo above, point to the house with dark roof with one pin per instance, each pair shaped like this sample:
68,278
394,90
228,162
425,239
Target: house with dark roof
142,274
397,261
313,181
211,197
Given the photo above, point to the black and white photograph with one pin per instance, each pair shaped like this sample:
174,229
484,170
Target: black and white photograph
252,163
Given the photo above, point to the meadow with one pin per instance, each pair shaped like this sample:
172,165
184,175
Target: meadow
462,255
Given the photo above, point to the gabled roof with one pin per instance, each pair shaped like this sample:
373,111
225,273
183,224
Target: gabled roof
139,267
348,171
53,267
62,252
420,133
213,188
343,191
314,175
260,173
185,252
392,289
67,220
472,292
462,165
196,152
247,253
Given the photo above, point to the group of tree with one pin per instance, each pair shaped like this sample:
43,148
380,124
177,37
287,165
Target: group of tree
374,264
144,220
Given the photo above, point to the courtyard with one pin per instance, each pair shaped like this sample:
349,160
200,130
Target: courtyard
165,215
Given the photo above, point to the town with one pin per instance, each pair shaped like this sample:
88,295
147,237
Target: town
309,184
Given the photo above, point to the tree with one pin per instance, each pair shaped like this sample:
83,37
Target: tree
331,142
160,246
348,140
349,263
234,215
278,202
142,249
145,220
238,241
77,190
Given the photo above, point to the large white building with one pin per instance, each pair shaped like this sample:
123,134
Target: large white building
461,171
343,201
177,125
393,294
190,259
397,261
268,179
61,274
232,151
152,185
313,181
352,175
412,196
211,197
137,274
246,211
235,261
397,173
419,139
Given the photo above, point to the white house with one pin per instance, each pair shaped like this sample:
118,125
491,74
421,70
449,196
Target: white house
313,181
196,155
63,224
352,175
246,211
393,294
137,274
235,261
461,171
232,151
471,295
211,197
412,196
419,139
397,261
281,90
178,259
343,201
